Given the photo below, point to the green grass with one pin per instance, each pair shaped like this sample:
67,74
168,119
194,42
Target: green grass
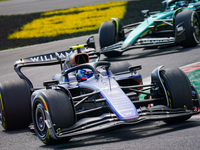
194,77
9,24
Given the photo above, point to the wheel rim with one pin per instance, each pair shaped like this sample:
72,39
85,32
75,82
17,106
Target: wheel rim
40,120
196,29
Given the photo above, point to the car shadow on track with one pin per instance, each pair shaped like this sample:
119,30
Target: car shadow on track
11,132
147,52
135,132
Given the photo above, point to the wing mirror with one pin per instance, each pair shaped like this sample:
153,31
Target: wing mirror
146,13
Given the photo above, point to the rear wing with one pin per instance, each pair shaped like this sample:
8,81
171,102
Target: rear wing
51,58
55,58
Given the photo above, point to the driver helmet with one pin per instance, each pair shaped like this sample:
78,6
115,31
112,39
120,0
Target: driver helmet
181,4
83,75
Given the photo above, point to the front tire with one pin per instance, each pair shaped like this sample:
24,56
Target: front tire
108,36
61,111
15,104
178,89
191,21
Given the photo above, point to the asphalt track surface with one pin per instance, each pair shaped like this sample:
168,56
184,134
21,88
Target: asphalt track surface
31,6
146,136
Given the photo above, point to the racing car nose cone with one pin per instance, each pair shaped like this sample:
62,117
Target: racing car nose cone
120,104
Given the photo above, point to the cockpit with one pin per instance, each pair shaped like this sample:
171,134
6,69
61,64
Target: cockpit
174,4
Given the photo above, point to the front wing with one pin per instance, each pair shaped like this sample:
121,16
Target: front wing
106,121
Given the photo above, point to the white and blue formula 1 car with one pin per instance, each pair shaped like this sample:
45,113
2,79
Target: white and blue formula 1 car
89,95
179,24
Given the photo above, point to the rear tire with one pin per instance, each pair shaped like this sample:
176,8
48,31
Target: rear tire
15,105
60,109
108,36
117,67
178,88
191,21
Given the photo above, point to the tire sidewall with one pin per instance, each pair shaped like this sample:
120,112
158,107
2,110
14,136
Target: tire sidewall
40,100
194,16
187,17
53,101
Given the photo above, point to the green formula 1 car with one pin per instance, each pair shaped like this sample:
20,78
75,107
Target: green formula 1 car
178,24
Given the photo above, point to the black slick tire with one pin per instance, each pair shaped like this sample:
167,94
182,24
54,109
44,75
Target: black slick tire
191,21
61,111
108,36
15,104
117,67
178,89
